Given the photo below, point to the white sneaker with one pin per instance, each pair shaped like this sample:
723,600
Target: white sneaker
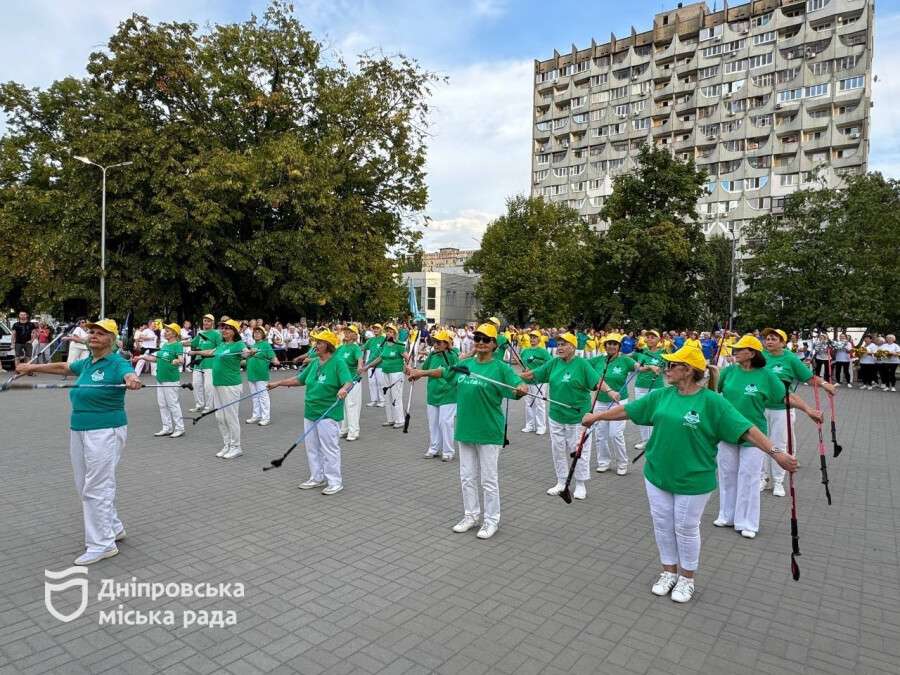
387,424
207,410
778,489
556,489
252,420
447,458
487,530
540,432
602,468
265,423
466,524
429,454
640,446
91,558
163,432
621,470
177,434
748,534
343,434
352,438
893,388
721,522
398,425
849,386
196,408
684,590
222,452
121,535
332,489
763,484
310,484
580,490
380,404
665,583
370,404
233,454
528,430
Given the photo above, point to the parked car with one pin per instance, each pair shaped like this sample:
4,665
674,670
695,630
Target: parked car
7,358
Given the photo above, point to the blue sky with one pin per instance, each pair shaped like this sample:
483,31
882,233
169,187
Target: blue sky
479,154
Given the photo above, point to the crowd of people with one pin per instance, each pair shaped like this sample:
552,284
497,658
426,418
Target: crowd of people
714,410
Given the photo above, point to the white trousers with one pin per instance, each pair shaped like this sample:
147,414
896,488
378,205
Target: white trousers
739,475
441,422
563,441
375,385
262,408
323,451
201,394
777,423
352,407
535,410
610,436
676,525
229,418
140,365
645,431
95,455
75,353
475,459
170,408
208,389
393,407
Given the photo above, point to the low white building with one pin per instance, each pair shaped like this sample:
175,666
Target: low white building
445,298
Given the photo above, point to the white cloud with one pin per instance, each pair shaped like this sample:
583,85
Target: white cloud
884,153
480,151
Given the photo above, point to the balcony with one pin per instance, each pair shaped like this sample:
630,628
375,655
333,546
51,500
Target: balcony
781,20
812,143
685,46
811,121
790,166
786,146
854,159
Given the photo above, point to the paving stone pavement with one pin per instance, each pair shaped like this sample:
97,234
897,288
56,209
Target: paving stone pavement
372,580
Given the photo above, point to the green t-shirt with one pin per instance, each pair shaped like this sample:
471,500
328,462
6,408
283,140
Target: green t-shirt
502,346
322,383
351,353
441,391
392,357
165,370
571,382
681,452
402,334
751,392
616,374
226,364
203,340
648,379
479,414
258,364
580,340
535,357
373,347
789,368
98,407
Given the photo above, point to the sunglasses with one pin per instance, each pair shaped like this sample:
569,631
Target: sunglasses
670,365
478,337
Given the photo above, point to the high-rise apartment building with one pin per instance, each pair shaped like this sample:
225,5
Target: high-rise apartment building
765,96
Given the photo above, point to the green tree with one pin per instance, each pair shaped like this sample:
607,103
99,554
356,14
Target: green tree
715,281
648,262
532,261
830,259
266,179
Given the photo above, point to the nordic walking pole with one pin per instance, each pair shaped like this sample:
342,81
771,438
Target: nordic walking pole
412,385
641,453
524,367
822,464
795,535
565,494
465,371
15,376
76,385
275,463
835,445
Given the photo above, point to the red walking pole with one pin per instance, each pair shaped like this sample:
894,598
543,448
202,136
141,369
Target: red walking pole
795,535
822,464
835,445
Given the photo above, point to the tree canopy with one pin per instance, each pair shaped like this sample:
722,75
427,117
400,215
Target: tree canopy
266,179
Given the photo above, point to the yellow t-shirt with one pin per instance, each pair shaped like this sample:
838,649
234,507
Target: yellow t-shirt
692,343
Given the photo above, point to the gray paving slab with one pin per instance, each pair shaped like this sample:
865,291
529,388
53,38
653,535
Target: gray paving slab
372,579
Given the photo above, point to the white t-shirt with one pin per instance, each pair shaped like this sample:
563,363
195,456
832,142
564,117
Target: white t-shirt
894,350
276,337
870,356
75,347
148,339
293,339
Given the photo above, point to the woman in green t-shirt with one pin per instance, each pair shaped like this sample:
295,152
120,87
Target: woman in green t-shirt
262,356
352,355
391,362
440,398
479,426
327,379
168,358
688,422
609,437
227,384
534,357
571,379
750,387
650,361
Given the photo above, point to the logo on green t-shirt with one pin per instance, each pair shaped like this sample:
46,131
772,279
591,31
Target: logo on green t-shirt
97,376
691,419
778,368
617,370
751,390
567,377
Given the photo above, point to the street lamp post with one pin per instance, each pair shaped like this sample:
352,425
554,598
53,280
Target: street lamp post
731,285
103,169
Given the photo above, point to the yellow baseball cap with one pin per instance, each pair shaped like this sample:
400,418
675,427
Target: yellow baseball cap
376,325
488,329
174,327
690,355
352,326
612,337
209,316
327,336
231,323
748,342
108,325
225,319
494,320
568,337
442,336
653,331
535,333
390,326
780,333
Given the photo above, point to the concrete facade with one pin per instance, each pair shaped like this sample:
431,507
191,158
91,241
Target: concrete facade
445,298
768,97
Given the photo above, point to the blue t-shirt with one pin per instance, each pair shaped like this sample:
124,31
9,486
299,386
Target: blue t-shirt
99,407
627,344
708,346
679,342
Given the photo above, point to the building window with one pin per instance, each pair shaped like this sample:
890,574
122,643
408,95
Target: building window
760,60
432,298
852,83
815,5
764,38
790,95
817,90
